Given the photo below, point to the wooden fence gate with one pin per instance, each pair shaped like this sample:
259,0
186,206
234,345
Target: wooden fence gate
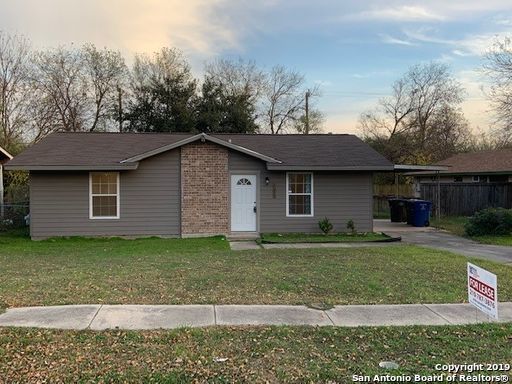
467,198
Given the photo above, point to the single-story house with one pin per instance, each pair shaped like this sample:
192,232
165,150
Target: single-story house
493,166
133,184
469,183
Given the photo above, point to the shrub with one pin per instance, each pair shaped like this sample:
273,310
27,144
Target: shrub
351,226
325,225
490,221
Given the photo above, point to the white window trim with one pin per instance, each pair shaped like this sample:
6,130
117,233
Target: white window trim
288,194
118,209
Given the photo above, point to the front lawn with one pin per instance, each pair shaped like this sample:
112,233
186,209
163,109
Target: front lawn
455,225
252,355
199,271
319,238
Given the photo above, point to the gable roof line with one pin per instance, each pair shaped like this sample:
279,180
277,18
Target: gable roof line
202,137
7,154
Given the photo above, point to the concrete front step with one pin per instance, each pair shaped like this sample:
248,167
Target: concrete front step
138,317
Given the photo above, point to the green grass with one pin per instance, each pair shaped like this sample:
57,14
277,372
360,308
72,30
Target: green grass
495,240
455,225
319,238
254,355
199,271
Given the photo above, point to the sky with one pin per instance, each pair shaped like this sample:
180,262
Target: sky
353,50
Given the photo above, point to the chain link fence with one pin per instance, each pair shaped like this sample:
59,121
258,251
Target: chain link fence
13,216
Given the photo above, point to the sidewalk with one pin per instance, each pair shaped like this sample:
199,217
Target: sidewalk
251,244
101,317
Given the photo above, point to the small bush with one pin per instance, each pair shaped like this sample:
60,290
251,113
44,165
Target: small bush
351,226
325,225
490,221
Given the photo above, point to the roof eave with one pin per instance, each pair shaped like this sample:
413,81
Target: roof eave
113,167
7,155
366,168
455,173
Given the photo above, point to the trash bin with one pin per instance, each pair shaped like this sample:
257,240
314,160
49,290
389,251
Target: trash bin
418,212
398,210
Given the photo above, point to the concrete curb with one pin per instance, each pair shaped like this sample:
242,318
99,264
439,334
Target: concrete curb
145,317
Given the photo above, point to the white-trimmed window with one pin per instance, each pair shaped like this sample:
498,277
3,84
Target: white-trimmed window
299,194
104,195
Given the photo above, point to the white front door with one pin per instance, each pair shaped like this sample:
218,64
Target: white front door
243,203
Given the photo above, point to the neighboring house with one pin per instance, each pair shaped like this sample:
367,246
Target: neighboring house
471,182
4,157
108,184
476,167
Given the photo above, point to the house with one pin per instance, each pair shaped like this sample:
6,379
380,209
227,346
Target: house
4,157
471,182
132,184
493,166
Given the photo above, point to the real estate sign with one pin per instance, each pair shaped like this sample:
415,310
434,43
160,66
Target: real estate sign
483,290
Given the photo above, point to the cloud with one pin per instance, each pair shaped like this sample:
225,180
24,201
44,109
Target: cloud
323,83
387,39
469,45
195,26
399,13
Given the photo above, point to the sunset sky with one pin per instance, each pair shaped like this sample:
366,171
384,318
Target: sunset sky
353,49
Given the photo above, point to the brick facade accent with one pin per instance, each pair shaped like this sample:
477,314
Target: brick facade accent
204,189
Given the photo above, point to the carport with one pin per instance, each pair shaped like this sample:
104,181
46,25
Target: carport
409,170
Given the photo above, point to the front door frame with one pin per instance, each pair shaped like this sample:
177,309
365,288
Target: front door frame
258,205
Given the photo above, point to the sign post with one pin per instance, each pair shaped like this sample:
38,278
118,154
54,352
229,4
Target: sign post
483,290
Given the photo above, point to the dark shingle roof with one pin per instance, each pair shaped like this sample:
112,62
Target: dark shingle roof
110,149
492,161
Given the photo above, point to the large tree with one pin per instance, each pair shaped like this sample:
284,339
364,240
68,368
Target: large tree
15,90
277,95
283,99
163,93
221,110
238,78
106,75
421,121
498,67
59,75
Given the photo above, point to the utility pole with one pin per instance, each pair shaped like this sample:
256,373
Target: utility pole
120,107
306,130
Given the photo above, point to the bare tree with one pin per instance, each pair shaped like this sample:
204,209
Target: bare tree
106,73
498,67
433,89
283,99
315,122
14,88
60,76
422,109
239,78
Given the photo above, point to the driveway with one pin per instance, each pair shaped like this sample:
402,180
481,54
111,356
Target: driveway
439,239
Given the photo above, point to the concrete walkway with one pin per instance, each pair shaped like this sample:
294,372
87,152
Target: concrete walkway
438,239
101,317
250,245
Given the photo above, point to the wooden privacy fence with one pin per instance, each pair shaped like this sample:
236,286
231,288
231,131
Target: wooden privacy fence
467,198
383,192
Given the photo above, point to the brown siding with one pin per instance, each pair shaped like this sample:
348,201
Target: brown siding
205,183
149,197
339,196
